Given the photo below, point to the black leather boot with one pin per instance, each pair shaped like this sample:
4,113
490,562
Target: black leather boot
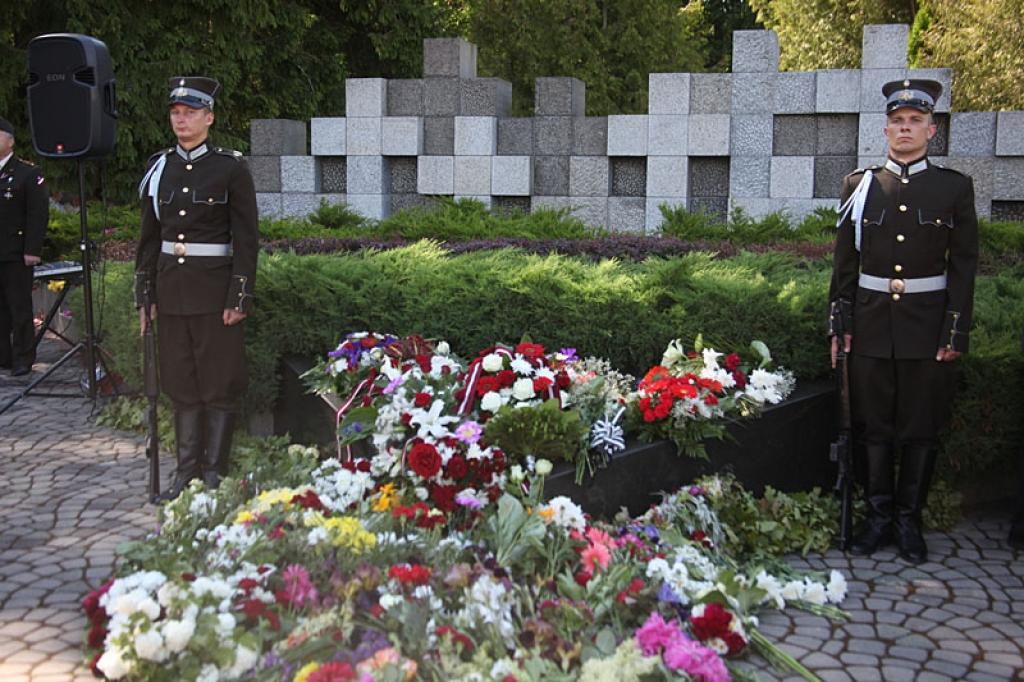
188,436
220,427
916,467
877,529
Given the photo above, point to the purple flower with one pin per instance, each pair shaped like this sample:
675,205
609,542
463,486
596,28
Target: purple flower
666,594
469,432
569,354
394,384
696,490
467,499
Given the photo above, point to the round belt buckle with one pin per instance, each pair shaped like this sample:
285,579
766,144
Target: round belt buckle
179,249
897,286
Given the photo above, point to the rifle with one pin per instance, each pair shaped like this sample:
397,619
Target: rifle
842,450
151,384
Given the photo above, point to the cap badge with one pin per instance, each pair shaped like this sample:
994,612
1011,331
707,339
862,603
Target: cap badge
180,92
906,95
906,83
181,82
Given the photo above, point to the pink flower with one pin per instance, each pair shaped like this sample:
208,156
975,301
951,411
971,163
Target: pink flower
469,432
595,556
655,634
297,590
699,662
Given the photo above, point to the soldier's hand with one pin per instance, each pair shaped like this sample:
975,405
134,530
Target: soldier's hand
233,317
946,355
142,317
847,343
31,261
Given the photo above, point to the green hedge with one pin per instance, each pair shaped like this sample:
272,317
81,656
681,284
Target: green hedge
625,312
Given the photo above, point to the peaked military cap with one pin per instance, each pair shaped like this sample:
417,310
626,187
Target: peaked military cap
6,126
914,93
194,91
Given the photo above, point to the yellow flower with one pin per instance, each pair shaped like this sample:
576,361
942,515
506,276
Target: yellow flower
305,671
282,496
55,285
345,531
386,499
546,513
245,516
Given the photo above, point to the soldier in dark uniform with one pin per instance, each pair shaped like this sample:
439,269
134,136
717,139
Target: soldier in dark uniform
24,214
901,297
197,259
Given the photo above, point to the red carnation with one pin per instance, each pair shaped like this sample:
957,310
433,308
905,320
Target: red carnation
541,384
424,460
457,467
732,361
741,380
444,497
333,671
486,384
422,399
506,378
563,380
714,622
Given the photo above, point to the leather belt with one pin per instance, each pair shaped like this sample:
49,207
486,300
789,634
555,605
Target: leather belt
182,249
907,285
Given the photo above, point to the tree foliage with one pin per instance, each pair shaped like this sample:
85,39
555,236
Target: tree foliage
611,45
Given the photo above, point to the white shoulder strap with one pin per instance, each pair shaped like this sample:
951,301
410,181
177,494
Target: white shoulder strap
150,184
854,207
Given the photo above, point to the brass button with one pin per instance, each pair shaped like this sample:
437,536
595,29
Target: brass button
905,181
900,238
938,221
898,268
181,212
865,221
895,297
185,190
903,208
188,166
181,237
181,260
210,200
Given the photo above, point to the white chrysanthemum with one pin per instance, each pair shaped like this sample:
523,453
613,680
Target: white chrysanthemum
521,366
566,514
793,590
722,376
202,505
836,589
814,592
674,353
390,601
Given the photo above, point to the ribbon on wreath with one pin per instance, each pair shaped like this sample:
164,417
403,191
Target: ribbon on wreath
366,383
607,435
475,369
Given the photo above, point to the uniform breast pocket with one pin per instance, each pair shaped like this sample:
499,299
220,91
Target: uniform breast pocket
210,196
934,218
166,197
873,218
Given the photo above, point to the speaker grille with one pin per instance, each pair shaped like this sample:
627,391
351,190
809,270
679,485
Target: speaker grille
86,75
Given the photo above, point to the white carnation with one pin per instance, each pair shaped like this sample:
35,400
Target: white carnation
836,589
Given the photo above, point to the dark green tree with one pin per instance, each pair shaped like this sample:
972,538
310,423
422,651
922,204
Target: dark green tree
724,17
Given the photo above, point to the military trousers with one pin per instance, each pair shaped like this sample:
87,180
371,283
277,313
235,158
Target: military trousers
17,331
900,400
202,362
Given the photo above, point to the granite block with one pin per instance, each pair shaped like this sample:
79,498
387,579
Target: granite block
439,136
1010,133
405,97
401,136
590,136
795,92
1012,211
593,211
972,133
939,144
406,201
365,174
627,214
715,207
515,136
298,174
654,218
483,199
589,176
667,135
798,209
330,199
871,140
829,172
435,175
792,177
755,207
510,205
982,172
838,91
711,93
750,135
441,97
794,135
667,176
476,135
837,135
366,97
559,96
449,57
549,203
551,176
668,93
709,177
1008,179
333,174
871,82
327,136
749,176
363,136
268,204
372,206
627,135
512,176
629,176
473,175
552,135
485,97
884,46
266,172
401,175
277,137
753,93
943,76
756,51
709,134
298,204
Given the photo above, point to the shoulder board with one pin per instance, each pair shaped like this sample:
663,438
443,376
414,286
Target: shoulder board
947,168
228,152
26,163
154,157
860,171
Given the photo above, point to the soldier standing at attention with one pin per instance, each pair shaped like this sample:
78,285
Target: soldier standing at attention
901,297
197,259
24,214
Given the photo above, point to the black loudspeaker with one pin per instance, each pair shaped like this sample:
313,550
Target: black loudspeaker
71,97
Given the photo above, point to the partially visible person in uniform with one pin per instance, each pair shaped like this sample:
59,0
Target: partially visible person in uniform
24,214
900,302
197,259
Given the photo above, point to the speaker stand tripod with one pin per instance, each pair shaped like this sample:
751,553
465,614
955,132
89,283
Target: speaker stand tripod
88,342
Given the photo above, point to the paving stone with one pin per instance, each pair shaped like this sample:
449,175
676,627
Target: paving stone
834,676
864,674
930,676
892,673
992,671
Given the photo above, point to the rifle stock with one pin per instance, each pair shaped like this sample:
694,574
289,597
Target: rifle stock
842,451
151,387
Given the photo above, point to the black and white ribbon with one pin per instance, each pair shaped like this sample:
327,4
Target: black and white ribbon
607,435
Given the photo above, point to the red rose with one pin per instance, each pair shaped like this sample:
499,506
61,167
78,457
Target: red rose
424,460
97,633
422,399
424,362
506,378
563,380
444,497
457,467
582,578
741,380
732,361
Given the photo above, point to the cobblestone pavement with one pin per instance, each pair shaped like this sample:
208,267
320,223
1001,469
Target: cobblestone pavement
72,491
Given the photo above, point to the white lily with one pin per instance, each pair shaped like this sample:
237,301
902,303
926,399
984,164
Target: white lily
432,423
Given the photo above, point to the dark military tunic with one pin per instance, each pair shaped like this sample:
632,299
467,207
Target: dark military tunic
24,214
204,197
918,221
